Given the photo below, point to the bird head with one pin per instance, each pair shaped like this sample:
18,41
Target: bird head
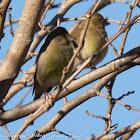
98,20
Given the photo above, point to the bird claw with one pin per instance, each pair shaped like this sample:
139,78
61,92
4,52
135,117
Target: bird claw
48,98
92,68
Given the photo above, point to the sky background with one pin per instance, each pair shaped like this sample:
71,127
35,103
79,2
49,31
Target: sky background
77,122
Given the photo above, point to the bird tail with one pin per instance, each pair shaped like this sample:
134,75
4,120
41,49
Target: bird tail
39,92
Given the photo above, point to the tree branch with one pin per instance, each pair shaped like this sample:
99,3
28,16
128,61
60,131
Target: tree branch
20,85
20,44
3,10
114,67
75,102
118,133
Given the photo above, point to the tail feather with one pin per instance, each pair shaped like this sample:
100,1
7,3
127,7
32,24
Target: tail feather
39,92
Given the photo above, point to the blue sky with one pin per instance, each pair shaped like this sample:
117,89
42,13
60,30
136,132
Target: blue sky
77,122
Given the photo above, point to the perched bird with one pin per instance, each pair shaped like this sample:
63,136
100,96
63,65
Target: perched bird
94,40
53,57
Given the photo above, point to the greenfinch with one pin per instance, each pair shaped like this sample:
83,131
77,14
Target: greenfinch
94,39
53,57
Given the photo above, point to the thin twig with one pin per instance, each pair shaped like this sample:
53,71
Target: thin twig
119,102
47,8
11,29
49,4
127,30
58,22
137,3
110,107
25,80
73,19
122,1
24,96
125,95
96,6
123,21
12,22
30,55
95,116
114,50
7,132
118,22
43,108
65,100
120,132
26,72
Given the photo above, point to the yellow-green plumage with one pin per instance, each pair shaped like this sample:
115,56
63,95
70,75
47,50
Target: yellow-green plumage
53,57
95,38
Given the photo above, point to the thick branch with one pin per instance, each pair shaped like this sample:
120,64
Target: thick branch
20,44
20,85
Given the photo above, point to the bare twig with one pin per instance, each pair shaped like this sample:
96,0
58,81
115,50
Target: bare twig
65,100
122,1
118,22
125,95
24,96
127,30
48,5
3,10
11,29
118,133
103,118
119,102
6,130
123,21
114,50
110,106
12,22
27,72
43,108
73,19
58,22
109,90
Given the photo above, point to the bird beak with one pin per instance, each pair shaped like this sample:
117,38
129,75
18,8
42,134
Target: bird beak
106,22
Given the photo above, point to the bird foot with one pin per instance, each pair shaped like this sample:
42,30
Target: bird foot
47,98
92,69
